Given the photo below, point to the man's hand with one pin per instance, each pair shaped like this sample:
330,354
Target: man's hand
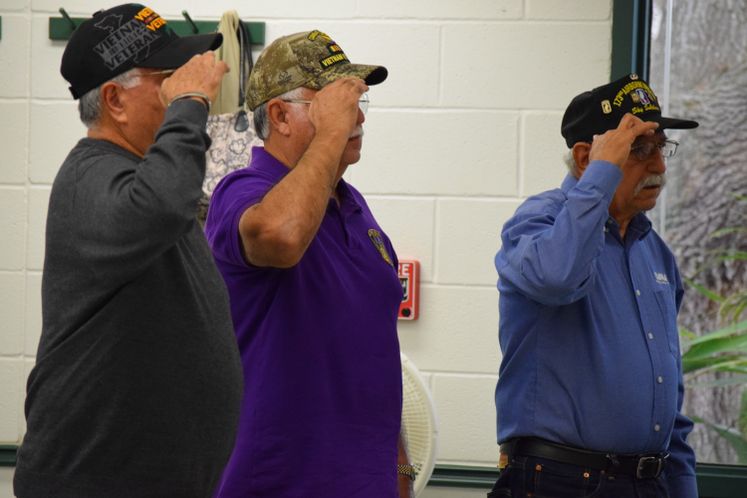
614,145
334,109
201,74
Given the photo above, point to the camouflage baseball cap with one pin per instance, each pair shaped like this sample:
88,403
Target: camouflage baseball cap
310,59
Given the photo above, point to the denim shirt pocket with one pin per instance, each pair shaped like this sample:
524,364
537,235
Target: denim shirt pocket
668,315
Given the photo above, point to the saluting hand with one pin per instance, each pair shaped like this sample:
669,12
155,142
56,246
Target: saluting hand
614,145
335,107
201,74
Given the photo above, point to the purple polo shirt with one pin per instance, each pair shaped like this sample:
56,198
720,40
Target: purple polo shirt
322,400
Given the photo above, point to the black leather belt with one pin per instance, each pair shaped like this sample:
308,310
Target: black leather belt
638,466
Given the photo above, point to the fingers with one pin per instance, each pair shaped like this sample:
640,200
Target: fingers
335,107
614,145
201,74
636,127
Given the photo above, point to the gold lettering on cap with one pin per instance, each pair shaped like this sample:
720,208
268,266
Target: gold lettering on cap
617,102
145,12
334,59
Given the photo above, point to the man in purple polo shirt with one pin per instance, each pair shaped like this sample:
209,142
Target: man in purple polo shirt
314,289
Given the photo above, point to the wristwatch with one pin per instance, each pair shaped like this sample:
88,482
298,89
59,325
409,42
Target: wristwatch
405,469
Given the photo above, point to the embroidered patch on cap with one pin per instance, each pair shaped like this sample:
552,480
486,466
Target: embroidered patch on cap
129,40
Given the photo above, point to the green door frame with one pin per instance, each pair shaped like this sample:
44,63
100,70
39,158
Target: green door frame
631,38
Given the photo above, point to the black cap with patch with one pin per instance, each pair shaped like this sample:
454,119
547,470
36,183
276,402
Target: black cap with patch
601,109
116,40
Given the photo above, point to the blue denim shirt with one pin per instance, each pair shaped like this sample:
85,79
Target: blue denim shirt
588,328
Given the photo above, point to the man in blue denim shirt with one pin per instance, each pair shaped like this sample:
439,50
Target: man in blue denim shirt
590,386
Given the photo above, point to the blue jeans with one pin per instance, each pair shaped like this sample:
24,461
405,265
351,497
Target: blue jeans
541,478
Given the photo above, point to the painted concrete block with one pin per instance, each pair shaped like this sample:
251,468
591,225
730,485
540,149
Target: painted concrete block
37,219
14,60
457,330
12,227
466,410
33,323
468,236
6,482
11,373
440,152
14,139
11,5
409,223
52,119
522,65
543,147
258,9
428,9
12,295
46,80
569,9
409,51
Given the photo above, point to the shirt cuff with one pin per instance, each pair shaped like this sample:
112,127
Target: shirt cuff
602,175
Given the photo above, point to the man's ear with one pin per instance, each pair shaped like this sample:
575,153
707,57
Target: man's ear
112,104
278,117
580,152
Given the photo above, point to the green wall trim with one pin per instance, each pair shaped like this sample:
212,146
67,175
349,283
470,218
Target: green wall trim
631,38
8,455
61,29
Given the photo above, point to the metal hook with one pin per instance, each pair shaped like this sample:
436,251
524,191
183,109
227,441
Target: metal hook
64,14
190,21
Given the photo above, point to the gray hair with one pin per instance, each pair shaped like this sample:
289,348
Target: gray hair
260,118
89,105
570,163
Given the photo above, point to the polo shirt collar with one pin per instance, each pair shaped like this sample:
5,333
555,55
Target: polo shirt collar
268,165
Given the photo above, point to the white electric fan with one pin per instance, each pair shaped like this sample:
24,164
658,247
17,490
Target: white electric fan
419,423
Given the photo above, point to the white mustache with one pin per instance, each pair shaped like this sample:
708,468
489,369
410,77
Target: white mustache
651,181
358,132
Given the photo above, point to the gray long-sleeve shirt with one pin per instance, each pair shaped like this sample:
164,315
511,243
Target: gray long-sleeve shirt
137,384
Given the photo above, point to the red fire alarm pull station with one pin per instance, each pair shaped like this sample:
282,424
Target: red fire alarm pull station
409,277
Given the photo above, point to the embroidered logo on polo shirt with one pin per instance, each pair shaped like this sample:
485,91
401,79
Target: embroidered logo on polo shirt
378,242
661,278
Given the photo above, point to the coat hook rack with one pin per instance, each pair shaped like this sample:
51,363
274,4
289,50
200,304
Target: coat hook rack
60,28
68,19
195,30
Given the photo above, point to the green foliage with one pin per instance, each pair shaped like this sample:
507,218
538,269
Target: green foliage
735,438
723,350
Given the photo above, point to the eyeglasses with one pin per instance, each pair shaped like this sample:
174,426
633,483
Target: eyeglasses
643,151
362,103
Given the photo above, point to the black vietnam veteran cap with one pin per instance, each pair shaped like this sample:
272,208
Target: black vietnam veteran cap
601,109
116,40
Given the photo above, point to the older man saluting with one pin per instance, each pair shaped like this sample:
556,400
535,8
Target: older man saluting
314,288
137,382
590,386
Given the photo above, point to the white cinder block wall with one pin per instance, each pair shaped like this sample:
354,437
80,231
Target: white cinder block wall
466,126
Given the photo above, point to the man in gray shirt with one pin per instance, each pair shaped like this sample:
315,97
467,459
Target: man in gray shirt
137,383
